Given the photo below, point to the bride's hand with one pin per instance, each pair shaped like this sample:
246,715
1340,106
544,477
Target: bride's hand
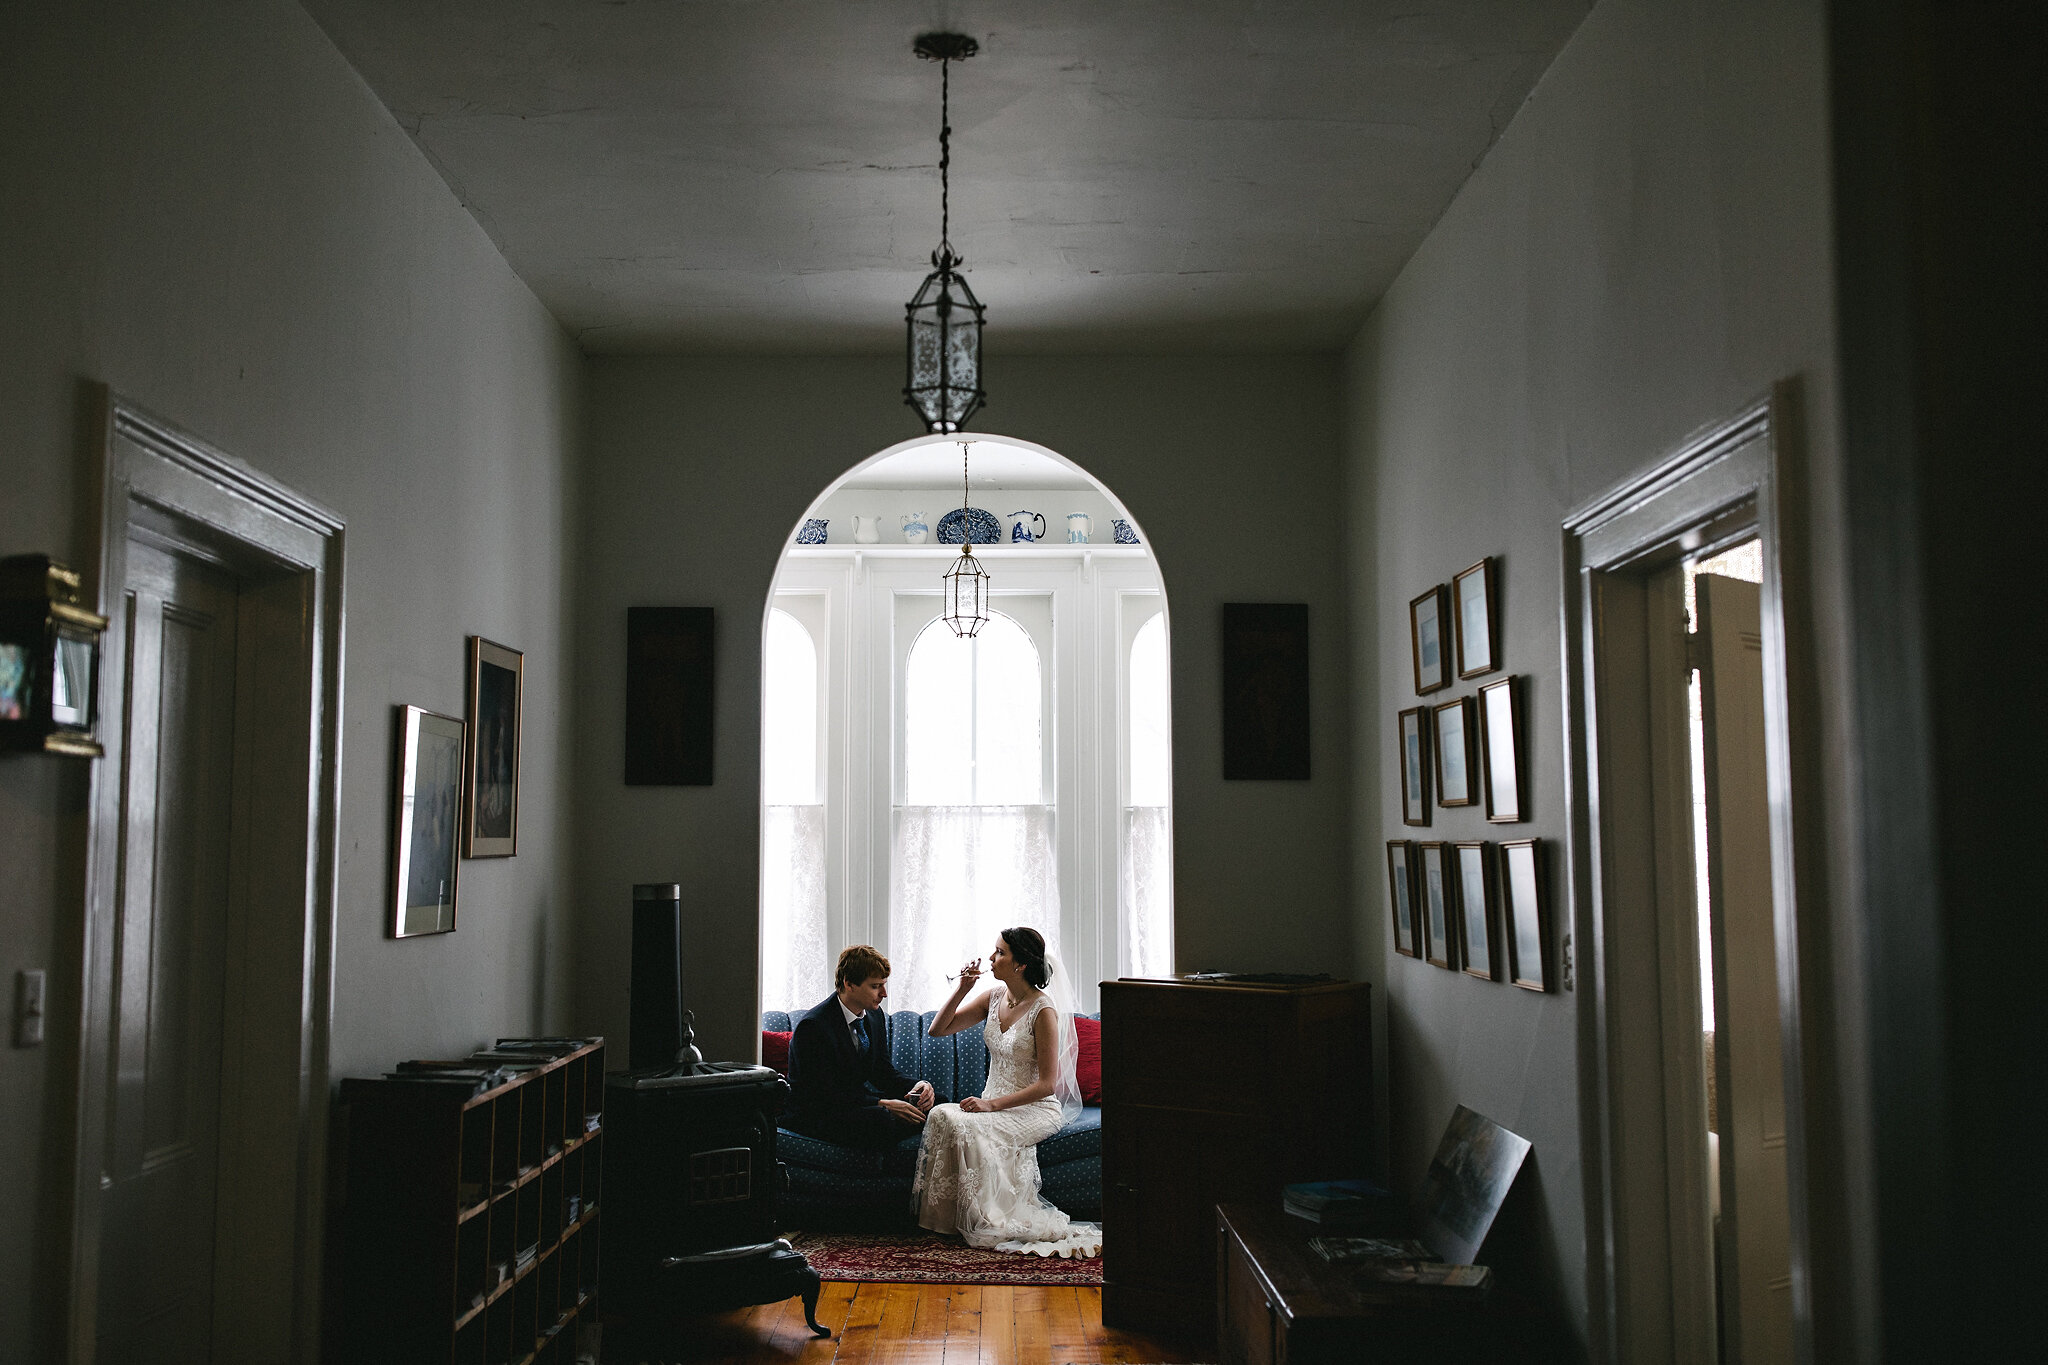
975,1104
969,974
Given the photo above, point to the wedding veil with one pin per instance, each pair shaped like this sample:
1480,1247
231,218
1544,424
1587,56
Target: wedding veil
1059,988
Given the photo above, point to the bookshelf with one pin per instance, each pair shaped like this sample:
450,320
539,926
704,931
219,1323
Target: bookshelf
469,1207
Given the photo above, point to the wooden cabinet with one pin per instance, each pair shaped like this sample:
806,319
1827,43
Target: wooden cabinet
1278,1303
469,1221
1214,1092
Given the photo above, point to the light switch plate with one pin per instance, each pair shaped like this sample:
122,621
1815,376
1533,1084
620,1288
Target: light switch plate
29,989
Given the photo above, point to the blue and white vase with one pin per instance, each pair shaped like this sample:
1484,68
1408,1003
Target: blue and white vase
1022,526
1121,532
813,532
915,528
1079,525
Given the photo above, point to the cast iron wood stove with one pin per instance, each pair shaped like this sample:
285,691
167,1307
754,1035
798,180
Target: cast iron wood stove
690,1165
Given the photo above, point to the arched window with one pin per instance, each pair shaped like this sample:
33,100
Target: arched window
789,713
1147,890
793,946
973,733
972,851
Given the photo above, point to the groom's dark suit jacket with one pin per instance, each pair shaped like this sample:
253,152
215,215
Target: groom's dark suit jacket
834,1091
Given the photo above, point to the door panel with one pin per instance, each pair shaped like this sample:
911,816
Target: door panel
1756,1256
161,1172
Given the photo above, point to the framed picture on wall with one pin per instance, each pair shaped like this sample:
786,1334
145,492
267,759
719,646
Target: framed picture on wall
497,685
1476,918
1472,595
1427,641
1433,877
1500,736
1414,731
1527,912
1401,890
1456,750
426,822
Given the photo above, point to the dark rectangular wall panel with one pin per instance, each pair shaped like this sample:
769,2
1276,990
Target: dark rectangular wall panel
668,696
1265,691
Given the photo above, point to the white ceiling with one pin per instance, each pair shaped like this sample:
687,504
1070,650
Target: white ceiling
990,464
1146,175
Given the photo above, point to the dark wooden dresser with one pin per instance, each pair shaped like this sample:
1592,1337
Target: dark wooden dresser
1278,1303
1213,1092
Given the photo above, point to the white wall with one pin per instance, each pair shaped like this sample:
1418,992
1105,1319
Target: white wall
698,472
1643,251
209,211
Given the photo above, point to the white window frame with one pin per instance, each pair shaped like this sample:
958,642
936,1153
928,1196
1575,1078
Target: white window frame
1099,595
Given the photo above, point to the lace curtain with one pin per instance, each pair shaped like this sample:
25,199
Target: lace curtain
796,962
959,875
1146,934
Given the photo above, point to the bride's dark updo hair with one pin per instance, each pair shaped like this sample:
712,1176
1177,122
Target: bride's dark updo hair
1027,946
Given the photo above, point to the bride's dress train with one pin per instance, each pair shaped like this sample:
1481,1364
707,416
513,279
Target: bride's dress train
977,1174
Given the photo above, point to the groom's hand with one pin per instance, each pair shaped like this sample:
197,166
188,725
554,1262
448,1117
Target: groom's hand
909,1113
922,1096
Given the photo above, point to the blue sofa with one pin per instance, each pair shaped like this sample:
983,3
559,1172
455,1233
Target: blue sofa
830,1185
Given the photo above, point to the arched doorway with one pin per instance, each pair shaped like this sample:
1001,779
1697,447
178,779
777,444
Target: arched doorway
921,791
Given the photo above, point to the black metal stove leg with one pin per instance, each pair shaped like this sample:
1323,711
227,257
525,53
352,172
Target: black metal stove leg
811,1304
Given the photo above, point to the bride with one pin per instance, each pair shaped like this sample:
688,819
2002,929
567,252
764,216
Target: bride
977,1170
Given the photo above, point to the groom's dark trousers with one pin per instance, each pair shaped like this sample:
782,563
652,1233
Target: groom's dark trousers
835,1087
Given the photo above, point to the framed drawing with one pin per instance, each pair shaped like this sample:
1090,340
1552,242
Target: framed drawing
1401,888
1426,639
1472,595
1456,748
1433,877
1265,691
669,673
1500,737
490,782
1475,911
1415,766
1527,913
426,822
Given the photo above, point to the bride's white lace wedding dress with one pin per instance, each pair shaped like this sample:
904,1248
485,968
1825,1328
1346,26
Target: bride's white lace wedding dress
977,1174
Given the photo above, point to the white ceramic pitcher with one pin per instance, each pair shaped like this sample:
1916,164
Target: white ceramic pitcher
867,530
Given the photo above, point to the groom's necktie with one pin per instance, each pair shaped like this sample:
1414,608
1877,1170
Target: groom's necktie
860,1036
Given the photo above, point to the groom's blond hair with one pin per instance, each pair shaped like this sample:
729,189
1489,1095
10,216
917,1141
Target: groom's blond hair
858,964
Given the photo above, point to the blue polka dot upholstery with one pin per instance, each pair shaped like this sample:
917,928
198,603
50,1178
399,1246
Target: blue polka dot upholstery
830,1181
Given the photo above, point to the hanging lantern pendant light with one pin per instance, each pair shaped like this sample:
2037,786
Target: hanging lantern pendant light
966,582
944,317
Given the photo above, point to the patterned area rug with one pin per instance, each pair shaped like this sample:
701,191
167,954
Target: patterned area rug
927,1258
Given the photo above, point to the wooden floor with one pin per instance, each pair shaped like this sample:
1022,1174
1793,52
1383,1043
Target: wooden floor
929,1324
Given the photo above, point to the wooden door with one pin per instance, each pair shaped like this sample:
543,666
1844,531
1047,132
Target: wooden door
161,1175
1755,1233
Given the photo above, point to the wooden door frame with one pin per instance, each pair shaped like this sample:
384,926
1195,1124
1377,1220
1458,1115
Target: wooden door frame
1735,479
160,481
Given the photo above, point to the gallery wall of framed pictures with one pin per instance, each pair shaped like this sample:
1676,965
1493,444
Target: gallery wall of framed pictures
455,790
1466,904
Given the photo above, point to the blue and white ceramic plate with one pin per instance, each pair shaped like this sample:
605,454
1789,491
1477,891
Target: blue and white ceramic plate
986,530
1122,532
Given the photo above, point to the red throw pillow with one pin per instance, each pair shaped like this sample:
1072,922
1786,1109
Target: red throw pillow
1088,1066
775,1050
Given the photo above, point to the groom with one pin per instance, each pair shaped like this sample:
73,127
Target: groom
843,1087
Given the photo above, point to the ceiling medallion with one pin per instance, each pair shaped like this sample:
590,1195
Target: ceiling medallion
944,317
